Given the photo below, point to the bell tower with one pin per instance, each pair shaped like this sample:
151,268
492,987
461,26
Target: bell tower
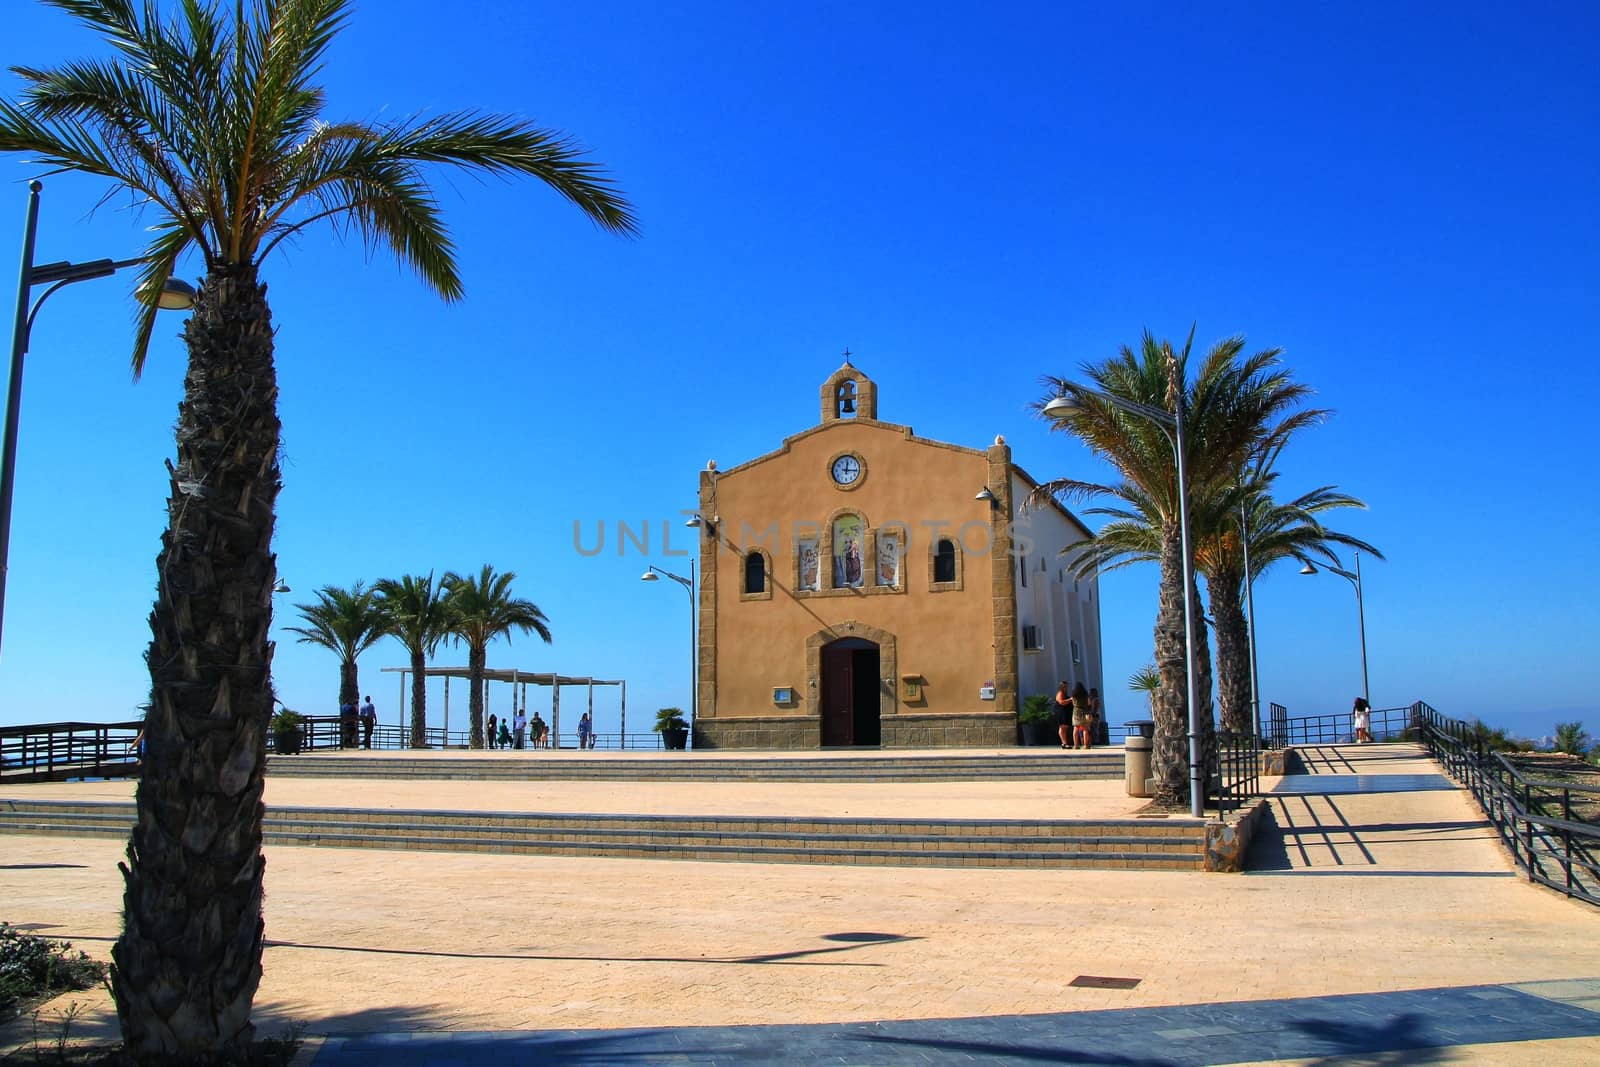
849,394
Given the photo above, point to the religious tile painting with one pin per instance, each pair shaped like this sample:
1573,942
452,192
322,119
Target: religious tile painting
848,557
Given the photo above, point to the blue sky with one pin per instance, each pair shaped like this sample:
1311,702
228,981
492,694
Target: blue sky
1399,196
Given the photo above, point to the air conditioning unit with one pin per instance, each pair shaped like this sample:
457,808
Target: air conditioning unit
1031,641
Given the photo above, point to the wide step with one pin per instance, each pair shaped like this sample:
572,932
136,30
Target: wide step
1150,844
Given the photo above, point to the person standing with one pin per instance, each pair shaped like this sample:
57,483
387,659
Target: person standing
1081,724
1063,711
1097,708
520,727
538,730
505,733
489,737
347,724
1361,719
585,731
369,720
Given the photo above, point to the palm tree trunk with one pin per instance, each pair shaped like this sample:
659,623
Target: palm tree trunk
476,658
1233,651
186,967
349,685
419,700
1169,758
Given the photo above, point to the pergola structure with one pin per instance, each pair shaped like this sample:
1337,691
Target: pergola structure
516,678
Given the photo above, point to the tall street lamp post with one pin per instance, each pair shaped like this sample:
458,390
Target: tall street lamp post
1171,424
1250,610
694,651
175,295
1361,614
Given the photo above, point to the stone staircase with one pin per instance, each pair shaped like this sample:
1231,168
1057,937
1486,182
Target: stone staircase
547,766
1152,844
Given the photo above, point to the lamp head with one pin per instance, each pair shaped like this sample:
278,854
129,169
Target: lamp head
693,522
1061,407
985,495
1309,568
174,295
649,576
281,587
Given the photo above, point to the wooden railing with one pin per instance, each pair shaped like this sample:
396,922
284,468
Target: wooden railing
55,751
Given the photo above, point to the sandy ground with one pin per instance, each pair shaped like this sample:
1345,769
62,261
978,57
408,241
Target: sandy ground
1360,893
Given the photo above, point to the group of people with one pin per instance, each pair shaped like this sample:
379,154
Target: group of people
354,720
509,732
1081,710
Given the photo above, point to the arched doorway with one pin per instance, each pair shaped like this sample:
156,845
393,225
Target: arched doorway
850,699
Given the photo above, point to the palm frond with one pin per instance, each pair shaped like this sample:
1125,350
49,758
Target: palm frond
482,609
213,119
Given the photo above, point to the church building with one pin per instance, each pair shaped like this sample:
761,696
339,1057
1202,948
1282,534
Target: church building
865,586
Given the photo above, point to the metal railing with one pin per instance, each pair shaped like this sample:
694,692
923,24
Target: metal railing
1277,731
1337,728
1533,817
1239,780
62,750
324,733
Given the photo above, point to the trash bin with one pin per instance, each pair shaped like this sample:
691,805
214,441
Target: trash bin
1144,727
1136,764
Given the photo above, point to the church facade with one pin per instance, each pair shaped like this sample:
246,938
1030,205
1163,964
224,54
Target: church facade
864,586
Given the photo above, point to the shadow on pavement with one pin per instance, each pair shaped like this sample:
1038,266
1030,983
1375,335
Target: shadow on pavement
1401,1040
793,957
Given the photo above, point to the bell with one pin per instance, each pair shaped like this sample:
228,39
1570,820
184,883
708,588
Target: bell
847,407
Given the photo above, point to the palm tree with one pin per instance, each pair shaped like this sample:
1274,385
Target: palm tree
1277,532
415,613
346,622
482,609
1236,405
1274,532
213,122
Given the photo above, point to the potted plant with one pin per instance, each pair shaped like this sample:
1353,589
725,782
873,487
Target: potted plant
1037,718
673,728
288,732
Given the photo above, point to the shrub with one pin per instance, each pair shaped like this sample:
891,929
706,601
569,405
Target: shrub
1572,739
1036,709
1146,680
1495,738
287,720
670,719
31,966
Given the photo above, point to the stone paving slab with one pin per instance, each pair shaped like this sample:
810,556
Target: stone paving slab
1366,1025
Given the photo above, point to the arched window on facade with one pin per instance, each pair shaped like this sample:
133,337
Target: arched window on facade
944,561
755,573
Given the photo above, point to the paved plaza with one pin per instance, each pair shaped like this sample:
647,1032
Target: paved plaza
1380,923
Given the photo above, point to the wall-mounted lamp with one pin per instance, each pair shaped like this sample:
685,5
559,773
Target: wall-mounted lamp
985,495
697,521
281,587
